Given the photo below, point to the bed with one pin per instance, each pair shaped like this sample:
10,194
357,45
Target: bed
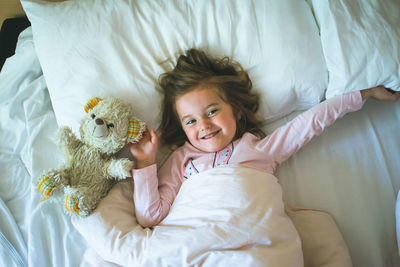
297,54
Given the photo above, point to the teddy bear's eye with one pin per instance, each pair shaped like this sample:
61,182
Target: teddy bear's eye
110,125
93,116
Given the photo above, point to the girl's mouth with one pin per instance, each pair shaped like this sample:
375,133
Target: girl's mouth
210,135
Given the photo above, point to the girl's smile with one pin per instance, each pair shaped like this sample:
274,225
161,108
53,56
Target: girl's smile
206,119
211,135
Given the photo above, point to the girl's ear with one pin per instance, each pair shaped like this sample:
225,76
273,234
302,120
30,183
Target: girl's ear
239,115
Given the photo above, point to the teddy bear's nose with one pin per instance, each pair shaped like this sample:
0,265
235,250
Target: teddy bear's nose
99,122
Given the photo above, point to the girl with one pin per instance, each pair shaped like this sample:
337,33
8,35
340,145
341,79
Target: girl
209,111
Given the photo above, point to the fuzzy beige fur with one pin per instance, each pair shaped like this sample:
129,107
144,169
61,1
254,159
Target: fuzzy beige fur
90,169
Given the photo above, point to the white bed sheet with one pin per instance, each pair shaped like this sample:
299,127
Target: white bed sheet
351,171
40,233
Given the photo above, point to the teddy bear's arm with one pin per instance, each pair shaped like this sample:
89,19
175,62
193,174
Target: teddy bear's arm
67,140
120,168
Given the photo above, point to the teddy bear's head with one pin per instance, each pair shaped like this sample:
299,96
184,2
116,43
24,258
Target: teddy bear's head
109,125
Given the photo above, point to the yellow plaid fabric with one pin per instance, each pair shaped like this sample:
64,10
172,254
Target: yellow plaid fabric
92,103
71,204
134,129
46,187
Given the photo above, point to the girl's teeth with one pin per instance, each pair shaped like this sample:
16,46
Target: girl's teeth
209,135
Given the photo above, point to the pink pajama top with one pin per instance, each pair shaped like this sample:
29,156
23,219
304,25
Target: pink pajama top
155,191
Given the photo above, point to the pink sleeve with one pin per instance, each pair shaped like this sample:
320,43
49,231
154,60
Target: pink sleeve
154,195
288,139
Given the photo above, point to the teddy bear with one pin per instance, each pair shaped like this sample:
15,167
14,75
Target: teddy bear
91,168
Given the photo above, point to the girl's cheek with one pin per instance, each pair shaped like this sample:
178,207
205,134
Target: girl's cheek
192,134
188,132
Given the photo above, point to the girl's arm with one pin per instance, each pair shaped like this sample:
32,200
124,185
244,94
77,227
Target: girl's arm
154,192
288,139
153,195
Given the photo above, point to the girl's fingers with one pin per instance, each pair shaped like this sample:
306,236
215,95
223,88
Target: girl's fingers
392,95
154,137
390,90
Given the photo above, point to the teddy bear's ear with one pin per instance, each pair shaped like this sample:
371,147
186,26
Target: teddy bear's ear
135,130
92,103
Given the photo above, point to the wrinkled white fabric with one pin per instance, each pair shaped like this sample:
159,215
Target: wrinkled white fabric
221,216
39,231
360,39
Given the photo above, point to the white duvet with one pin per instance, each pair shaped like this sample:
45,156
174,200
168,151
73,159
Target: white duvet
221,217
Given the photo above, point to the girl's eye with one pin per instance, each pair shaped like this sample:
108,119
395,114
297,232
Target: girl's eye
110,125
190,122
212,112
93,116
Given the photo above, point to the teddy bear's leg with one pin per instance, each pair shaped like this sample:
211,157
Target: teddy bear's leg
50,181
71,200
80,201
46,186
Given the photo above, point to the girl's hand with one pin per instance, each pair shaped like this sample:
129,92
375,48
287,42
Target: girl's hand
380,93
145,150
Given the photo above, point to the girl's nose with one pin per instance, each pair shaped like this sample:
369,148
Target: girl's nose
205,124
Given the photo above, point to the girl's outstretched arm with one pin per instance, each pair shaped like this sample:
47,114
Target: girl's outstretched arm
288,139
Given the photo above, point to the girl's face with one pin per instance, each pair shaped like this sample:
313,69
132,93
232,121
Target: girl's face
208,122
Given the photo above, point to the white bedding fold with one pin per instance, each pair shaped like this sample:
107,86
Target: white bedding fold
13,250
397,214
39,231
220,217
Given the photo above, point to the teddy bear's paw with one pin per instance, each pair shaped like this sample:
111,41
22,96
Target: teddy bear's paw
46,186
120,168
64,133
65,137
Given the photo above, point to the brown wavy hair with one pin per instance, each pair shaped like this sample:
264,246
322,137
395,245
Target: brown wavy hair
195,68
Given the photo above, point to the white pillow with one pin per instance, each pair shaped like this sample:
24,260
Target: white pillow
119,48
361,43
